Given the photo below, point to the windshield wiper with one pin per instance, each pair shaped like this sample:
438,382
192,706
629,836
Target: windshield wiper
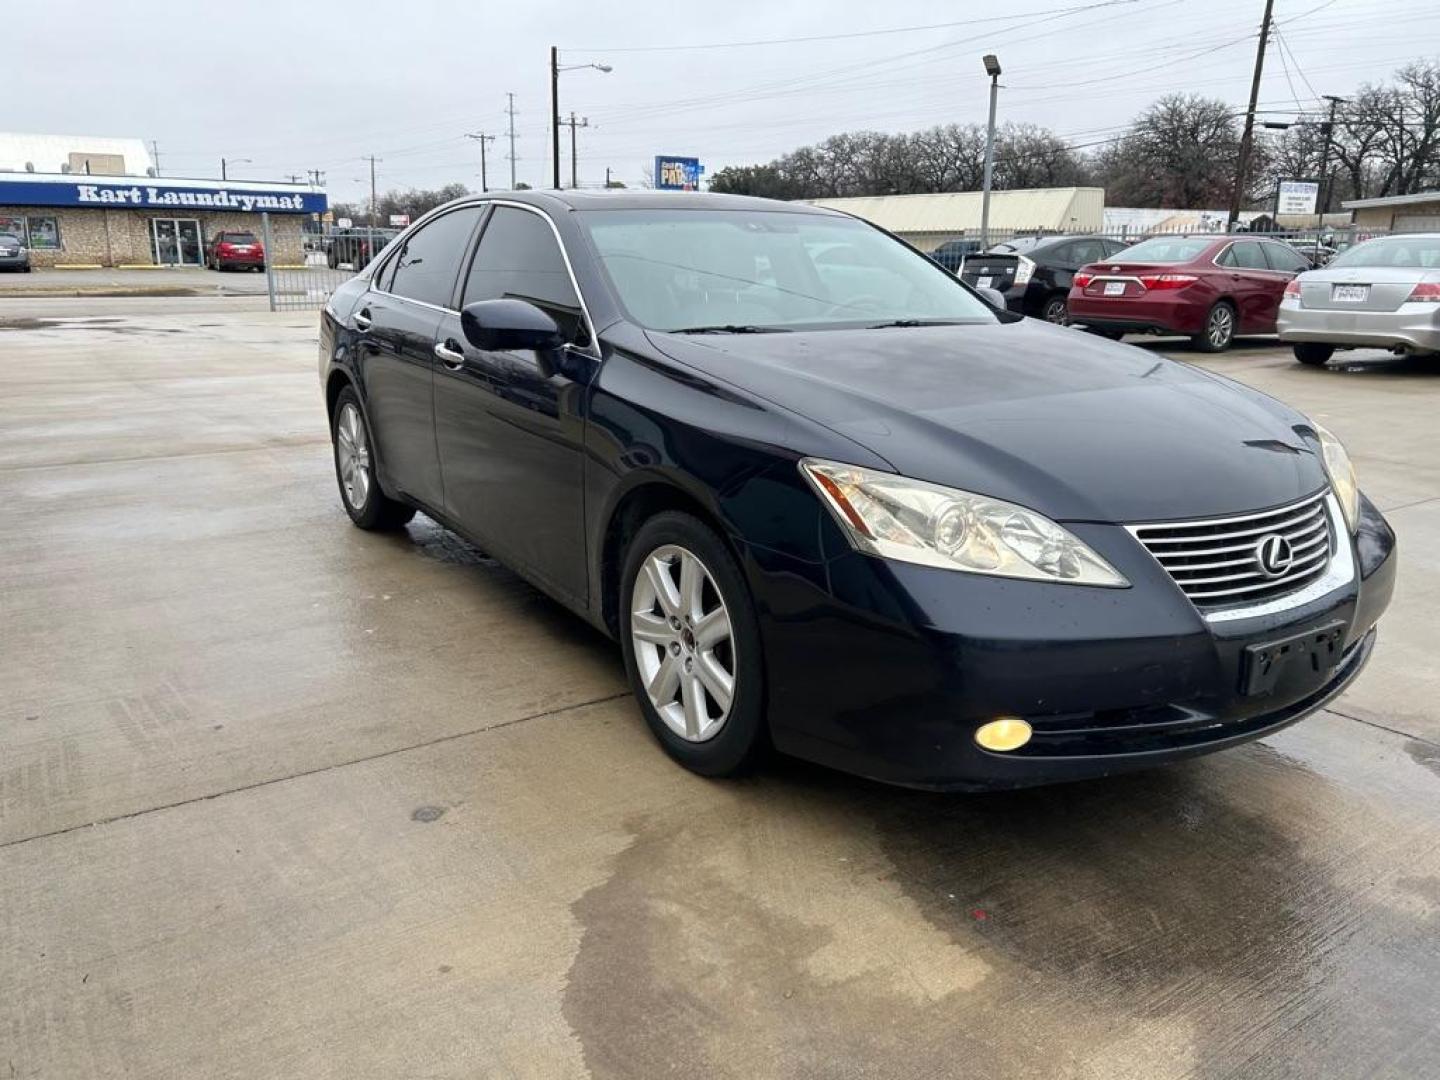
731,328
913,322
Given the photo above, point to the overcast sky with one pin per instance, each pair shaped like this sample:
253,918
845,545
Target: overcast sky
306,84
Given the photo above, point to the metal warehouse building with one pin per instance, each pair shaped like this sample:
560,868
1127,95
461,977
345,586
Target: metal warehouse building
78,201
927,221
1400,213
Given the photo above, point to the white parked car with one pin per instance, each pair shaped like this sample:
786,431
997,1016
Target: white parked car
1382,294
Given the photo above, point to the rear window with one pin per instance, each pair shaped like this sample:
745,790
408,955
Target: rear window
238,238
1410,252
1019,244
1165,249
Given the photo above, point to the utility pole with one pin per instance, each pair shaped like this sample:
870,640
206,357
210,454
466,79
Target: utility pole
1247,139
372,159
572,124
482,138
607,177
555,114
155,155
317,177
510,111
294,178
1325,184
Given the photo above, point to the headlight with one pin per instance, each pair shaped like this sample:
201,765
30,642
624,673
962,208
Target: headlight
1342,475
913,521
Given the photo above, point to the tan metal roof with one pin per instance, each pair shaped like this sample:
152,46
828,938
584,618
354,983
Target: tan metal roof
1069,208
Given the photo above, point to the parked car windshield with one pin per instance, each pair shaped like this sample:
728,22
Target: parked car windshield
1411,252
770,270
9,238
1164,249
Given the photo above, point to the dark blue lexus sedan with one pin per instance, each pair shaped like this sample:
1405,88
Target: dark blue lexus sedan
827,497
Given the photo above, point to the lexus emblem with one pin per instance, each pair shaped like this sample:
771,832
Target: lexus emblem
1274,555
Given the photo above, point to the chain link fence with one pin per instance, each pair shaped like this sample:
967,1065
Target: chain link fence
331,257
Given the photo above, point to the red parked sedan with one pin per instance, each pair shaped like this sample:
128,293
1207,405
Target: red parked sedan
1209,288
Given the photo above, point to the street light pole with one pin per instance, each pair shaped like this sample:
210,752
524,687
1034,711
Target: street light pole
992,68
224,165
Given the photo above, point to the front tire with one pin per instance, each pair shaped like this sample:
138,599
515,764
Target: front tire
368,506
1219,329
692,645
1313,353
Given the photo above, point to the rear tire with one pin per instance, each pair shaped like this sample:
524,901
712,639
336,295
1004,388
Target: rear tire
1056,310
688,631
1219,329
368,506
1313,353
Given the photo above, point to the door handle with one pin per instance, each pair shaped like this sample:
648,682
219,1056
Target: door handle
362,319
448,353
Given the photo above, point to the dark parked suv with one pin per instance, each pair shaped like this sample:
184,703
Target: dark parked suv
828,499
1034,273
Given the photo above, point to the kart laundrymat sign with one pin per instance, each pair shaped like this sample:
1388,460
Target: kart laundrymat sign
152,196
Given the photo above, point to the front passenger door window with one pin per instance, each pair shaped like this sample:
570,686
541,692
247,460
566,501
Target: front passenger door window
520,259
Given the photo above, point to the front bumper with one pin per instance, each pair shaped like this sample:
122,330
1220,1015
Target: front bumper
14,262
1415,327
886,669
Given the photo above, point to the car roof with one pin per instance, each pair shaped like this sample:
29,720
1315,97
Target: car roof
652,200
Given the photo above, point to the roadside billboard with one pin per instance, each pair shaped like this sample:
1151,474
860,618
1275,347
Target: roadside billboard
1296,196
677,173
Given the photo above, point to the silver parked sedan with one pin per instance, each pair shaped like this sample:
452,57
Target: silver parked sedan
1382,294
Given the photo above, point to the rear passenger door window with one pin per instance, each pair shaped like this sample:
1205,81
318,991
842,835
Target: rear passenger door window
1285,259
1248,256
519,258
426,268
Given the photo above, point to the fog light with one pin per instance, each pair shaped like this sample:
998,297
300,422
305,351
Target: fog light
1005,733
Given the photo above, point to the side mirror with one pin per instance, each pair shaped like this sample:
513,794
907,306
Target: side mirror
994,297
504,325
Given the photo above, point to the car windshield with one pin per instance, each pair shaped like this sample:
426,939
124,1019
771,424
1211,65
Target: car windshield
1410,252
9,238
1164,249
748,270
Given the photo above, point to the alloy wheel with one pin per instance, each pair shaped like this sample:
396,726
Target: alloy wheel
352,455
1220,326
1056,312
684,643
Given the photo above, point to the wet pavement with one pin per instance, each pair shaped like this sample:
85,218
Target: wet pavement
280,798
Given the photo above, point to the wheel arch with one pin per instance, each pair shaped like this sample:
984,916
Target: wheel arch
647,497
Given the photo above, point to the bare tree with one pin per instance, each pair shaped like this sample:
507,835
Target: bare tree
1181,153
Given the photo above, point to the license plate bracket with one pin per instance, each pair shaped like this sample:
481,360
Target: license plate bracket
984,281
1350,294
1114,288
1317,650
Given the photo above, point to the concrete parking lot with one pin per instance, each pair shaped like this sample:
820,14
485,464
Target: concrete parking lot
282,798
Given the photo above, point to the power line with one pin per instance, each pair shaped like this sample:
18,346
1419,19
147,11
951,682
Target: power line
845,36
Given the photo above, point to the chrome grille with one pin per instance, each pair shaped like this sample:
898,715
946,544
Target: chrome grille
1218,562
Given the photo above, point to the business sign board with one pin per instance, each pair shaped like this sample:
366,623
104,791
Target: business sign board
1297,196
678,173
150,195
399,221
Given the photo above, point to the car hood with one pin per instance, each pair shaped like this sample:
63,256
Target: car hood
1079,428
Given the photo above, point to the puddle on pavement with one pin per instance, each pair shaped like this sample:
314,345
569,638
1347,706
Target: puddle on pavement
1204,918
